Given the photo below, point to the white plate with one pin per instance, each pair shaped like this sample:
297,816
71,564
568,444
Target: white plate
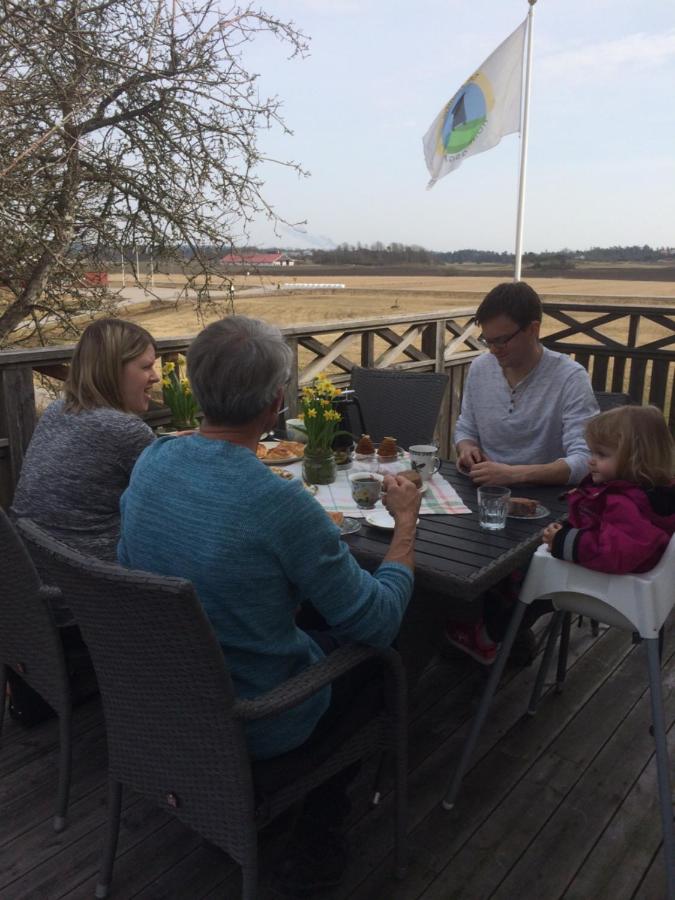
380,518
540,513
277,462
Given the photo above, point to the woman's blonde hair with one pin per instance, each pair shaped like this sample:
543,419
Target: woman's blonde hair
96,367
640,438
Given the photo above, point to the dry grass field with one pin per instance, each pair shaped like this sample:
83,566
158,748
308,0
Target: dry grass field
388,296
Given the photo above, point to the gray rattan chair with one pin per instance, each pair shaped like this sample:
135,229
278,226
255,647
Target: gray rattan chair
399,403
610,400
175,729
30,645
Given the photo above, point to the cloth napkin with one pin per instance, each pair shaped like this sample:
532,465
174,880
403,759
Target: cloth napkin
440,498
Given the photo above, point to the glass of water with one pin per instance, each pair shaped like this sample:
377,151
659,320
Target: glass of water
493,505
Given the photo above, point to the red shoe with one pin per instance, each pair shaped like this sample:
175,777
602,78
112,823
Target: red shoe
472,639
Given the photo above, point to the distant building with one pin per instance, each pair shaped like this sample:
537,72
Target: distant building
257,259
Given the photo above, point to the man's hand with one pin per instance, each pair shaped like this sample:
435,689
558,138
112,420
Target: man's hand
550,533
489,472
401,498
468,454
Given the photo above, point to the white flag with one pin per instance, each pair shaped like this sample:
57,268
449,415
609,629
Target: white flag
483,110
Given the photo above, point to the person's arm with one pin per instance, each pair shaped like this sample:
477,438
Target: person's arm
490,472
466,427
356,604
621,540
578,406
402,499
133,436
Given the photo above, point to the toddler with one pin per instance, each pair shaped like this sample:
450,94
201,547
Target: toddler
622,515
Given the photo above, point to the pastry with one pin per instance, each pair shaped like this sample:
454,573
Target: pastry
337,517
281,472
521,506
280,452
365,445
261,451
388,448
286,450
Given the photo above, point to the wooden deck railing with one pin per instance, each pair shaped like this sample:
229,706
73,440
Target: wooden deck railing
626,348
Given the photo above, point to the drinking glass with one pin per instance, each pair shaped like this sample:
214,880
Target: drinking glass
493,505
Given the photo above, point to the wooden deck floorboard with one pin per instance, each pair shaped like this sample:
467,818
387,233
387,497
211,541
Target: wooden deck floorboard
560,805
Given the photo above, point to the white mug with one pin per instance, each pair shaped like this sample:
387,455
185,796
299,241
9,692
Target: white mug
423,459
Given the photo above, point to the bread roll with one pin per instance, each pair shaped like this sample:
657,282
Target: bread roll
415,477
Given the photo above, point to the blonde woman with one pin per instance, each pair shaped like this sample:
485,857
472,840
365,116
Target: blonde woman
82,452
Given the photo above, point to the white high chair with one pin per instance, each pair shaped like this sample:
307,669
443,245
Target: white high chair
635,603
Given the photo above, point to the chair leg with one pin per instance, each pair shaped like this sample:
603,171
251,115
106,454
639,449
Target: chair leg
561,673
484,706
249,875
545,664
65,763
110,845
3,694
377,782
396,688
662,765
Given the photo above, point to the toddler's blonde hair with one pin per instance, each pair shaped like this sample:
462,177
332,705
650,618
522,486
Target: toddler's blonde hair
640,438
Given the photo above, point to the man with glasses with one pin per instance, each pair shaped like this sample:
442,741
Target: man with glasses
522,421
524,406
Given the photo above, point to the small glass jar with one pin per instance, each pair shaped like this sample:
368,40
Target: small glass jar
319,467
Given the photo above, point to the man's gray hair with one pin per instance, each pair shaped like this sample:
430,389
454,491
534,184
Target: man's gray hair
236,366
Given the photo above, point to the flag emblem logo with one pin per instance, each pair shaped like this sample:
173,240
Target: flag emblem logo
466,114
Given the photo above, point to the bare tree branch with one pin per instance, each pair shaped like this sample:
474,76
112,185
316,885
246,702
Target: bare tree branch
125,126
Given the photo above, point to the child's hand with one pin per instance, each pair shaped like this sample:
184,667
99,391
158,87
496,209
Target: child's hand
549,534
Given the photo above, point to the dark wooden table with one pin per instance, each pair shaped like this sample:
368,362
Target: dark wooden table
454,557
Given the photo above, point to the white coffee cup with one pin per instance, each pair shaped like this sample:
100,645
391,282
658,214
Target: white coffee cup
423,459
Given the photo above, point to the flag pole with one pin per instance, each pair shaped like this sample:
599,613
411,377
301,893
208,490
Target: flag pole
523,144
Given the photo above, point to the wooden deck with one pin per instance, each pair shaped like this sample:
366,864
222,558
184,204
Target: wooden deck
559,805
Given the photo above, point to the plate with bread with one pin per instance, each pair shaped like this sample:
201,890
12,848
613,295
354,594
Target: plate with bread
279,453
524,508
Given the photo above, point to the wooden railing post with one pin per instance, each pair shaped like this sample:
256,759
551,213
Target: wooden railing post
17,413
293,386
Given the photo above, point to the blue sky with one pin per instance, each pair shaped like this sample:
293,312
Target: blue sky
602,137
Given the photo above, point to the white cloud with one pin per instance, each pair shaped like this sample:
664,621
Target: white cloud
643,51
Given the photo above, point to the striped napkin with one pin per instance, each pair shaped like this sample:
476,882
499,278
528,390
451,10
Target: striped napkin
440,498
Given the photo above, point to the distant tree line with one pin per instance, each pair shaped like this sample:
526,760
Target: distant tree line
379,254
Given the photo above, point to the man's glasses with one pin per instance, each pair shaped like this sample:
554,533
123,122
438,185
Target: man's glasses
498,341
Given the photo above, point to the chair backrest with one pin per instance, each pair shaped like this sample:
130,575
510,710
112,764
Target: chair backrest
29,638
610,400
166,692
639,602
402,404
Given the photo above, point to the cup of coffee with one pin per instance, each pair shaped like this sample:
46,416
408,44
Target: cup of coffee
423,459
493,506
366,488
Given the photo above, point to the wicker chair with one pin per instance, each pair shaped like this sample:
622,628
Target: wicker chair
398,403
30,645
175,729
610,400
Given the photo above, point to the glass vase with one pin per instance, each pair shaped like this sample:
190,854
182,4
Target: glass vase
319,467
